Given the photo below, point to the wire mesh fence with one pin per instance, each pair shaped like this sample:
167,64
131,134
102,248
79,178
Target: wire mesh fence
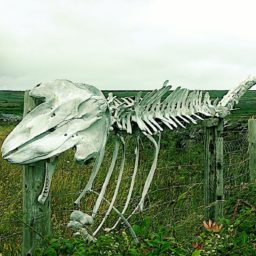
175,198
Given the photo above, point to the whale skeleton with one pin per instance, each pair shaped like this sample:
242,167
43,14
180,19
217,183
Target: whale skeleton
74,115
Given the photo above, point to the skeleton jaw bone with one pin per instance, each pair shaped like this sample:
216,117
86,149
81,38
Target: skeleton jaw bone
50,167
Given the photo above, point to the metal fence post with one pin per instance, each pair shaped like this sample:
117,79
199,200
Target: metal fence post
252,148
213,174
36,216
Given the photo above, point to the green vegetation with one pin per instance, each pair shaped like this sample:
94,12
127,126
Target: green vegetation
246,106
11,102
174,212
234,236
172,221
118,244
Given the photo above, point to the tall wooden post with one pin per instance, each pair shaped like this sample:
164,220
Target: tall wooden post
35,215
252,148
213,175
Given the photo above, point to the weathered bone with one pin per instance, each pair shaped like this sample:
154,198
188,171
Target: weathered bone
233,96
73,115
78,115
116,189
105,184
179,107
121,216
150,176
95,170
50,167
77,223
129,196
81,217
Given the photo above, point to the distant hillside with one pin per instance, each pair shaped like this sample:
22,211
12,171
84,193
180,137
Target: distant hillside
11,102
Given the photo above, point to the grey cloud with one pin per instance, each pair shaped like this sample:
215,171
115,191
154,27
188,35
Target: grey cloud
117,45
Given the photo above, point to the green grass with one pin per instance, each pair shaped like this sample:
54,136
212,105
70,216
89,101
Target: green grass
11,102
175,199
246,106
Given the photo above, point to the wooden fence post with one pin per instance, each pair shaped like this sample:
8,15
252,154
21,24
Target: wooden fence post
36,216
213,175
252,148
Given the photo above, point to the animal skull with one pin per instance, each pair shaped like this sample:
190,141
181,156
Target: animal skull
72,115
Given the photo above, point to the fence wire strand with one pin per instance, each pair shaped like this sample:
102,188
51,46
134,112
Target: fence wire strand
175,198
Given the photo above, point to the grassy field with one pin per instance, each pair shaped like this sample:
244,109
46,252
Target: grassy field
11,102
175,200
70,178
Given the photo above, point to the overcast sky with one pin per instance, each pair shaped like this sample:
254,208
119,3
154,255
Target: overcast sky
128,44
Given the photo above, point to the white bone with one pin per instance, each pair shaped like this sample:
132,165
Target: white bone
116,189
78,115
128,199
70,113
50,167
75,225
106,181
121,216
81,217
95,170
150,176
232,97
